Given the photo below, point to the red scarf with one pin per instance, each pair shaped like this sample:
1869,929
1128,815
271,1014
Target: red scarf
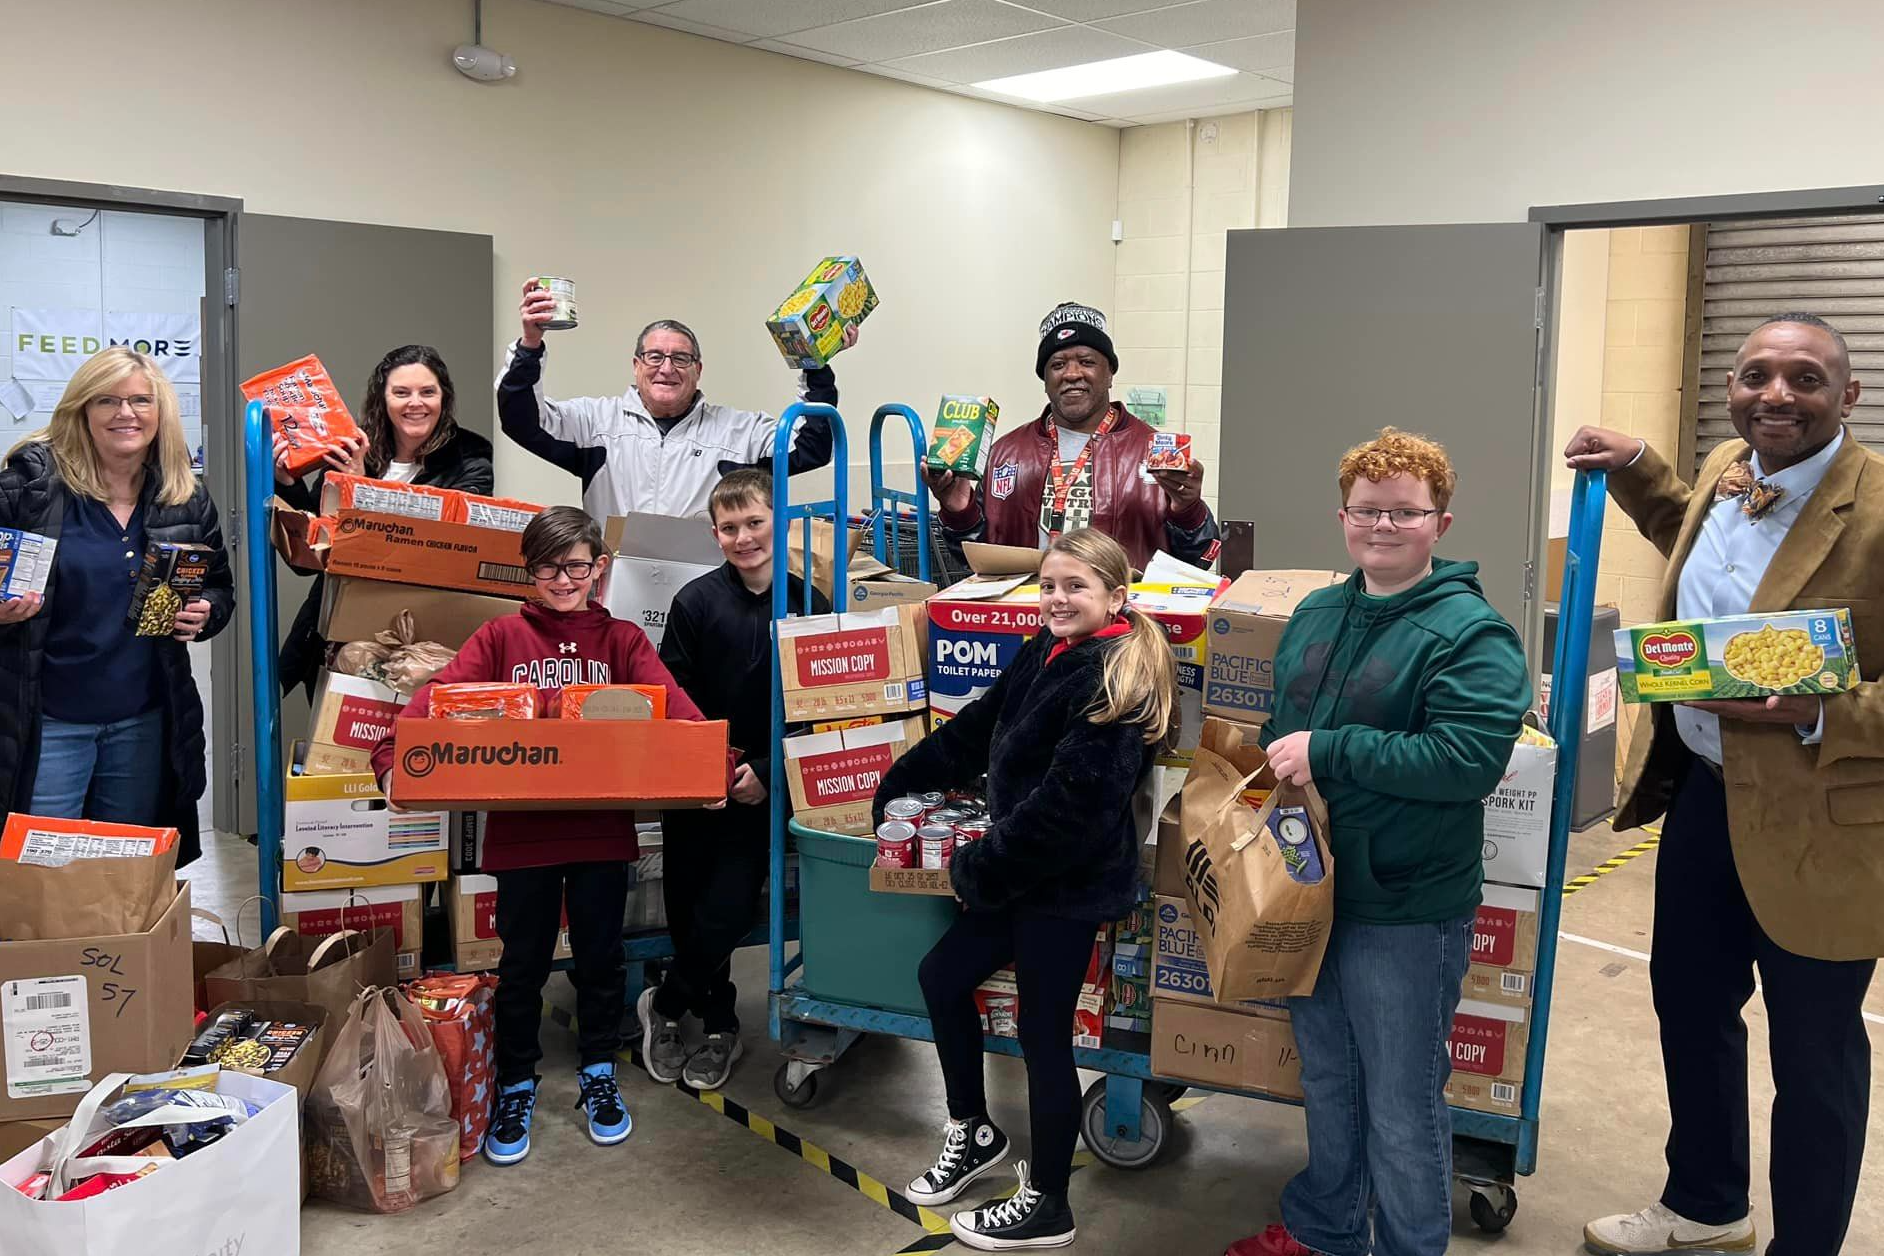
1117,628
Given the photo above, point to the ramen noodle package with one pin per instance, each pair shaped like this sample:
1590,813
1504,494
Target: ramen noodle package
483,700
310,418
388,497
25,563
809,325
1169,451
1737,656
172,574
502,513
612,702
963,436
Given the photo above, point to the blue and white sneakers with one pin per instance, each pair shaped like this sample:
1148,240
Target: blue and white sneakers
609,1122
509,1138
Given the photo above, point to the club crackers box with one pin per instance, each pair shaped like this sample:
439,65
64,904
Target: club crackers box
808,326
1737,656
963,436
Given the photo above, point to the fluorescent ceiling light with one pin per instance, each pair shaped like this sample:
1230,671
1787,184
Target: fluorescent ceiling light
1104,78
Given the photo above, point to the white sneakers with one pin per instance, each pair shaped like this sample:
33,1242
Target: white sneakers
1660,1231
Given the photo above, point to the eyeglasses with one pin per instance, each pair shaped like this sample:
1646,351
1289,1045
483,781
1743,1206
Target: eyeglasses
581,569
140,404
682,361
1400,517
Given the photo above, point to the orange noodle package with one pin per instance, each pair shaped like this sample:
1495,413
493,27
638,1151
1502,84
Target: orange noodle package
612,702
340,491
308,414
483,700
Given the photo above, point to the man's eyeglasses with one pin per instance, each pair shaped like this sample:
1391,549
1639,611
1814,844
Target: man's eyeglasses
657,359
1401,517
140,404
581,569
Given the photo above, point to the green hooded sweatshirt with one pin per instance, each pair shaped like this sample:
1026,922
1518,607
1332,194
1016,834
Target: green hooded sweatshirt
1414,701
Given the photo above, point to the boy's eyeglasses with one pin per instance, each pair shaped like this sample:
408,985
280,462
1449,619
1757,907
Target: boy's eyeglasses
581,569
1401,517
655,358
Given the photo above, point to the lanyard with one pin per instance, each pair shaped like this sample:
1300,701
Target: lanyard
1063,480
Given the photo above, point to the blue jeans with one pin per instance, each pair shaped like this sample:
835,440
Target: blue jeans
111,772
1373,1040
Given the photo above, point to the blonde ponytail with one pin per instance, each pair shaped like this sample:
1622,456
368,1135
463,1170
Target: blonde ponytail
1140,679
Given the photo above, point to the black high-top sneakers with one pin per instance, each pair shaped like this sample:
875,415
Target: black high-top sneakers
1028,1219
969,1149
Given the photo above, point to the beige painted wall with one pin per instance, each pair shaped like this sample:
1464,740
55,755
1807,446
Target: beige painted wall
1168,312
1474,111
670,175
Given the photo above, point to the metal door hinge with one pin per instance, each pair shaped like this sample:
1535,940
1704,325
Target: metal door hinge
235,764
1530,579
1537,309
231,286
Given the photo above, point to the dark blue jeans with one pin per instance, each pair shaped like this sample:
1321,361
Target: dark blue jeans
1373,1040
111,772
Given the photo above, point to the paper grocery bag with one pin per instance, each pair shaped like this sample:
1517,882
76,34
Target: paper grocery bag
824,569
328,972
1259,879
85,898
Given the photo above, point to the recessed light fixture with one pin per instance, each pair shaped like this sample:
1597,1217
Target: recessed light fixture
1105,78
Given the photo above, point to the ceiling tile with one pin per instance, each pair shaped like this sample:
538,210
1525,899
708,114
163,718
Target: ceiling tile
1257,52
780,17
931,28
1207,21
609,7
1179,115
1044,50
1093,10
1209,93
920,80
803,54
655,17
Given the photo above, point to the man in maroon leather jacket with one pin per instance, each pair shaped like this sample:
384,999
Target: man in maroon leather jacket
1080,464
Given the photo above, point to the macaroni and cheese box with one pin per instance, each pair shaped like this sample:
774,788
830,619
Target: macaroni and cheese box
25,563
833,776
808,326
1737,656
854,663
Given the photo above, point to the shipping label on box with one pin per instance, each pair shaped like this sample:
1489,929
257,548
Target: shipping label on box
531,765
833,777
1737,656
1517,814
1245,625
856,663
1225,1047
352,712
932,881
655,556
1504,932
321,913
1178,971
340,834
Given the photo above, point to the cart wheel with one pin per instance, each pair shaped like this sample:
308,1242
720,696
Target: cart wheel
803,1095
1493,1215
1154,1129
1169,1092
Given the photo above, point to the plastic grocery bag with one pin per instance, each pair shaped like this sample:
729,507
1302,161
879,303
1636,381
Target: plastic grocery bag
380,1134
309,416
461,1013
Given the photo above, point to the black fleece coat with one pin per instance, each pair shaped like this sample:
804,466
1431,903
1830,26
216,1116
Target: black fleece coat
1061,789
33,497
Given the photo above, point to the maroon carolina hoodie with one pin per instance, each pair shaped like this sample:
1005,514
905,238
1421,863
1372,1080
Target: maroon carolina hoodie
550,649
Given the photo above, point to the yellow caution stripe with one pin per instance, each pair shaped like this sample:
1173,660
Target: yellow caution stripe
1609,865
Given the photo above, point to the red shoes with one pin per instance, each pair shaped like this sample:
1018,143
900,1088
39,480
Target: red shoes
1275,1241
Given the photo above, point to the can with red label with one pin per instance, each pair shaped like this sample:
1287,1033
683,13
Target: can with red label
896,844
946,815
908,809
972,830
936,844
934,800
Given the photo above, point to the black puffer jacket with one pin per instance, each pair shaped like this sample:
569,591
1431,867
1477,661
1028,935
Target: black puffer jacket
33,497
464,464
1066,795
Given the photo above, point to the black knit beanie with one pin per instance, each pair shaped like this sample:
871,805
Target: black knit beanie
1069,324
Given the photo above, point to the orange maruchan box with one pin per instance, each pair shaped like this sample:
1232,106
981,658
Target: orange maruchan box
51,842
484,700
612,702
403,549
308,414
518,765
340,491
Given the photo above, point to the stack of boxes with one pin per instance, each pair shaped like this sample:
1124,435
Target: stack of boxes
998,998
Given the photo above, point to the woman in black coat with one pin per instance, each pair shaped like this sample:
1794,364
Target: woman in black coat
411,438
96,722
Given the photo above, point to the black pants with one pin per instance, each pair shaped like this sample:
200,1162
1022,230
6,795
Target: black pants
530,905
714,866
1050,956
1707,945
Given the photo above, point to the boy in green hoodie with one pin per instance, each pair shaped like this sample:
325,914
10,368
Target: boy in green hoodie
1399,694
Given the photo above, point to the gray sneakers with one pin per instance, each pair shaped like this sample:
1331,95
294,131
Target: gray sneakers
713,1062
663,1048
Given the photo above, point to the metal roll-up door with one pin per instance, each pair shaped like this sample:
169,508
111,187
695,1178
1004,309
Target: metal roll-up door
1832,267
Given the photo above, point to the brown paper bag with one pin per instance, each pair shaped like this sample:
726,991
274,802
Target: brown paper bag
824,570
328,972
86,898
207,955
1263,931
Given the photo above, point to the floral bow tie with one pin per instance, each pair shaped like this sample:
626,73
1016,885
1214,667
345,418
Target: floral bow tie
1759,496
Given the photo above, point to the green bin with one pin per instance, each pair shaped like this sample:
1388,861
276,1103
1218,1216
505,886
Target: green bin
860,946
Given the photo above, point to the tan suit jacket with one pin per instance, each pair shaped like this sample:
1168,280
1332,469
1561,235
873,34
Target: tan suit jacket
1807,822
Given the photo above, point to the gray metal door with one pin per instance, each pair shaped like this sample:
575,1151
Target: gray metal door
349,292
1333,333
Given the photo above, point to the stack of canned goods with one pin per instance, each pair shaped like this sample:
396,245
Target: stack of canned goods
923,830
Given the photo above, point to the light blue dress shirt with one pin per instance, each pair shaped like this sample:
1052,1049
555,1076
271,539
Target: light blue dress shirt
1726,565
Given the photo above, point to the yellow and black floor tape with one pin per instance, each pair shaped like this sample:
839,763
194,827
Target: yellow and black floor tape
1609,865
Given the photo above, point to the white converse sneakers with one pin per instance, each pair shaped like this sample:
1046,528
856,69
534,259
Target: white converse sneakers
1660,1231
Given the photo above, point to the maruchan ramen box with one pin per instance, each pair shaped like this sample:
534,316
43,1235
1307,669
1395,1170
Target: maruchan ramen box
1169,451
833,777
172,574
808,326
1246,622
501,514
1737,656
308,414
854,663
340,491
963,436
530,765
1488,1044
25,563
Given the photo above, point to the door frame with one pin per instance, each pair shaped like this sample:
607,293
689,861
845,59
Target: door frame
228,652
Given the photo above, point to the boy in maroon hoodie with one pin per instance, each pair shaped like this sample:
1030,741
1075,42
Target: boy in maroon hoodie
547,862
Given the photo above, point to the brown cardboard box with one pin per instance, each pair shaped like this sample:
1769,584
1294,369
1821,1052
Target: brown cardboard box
473,910
354,610
17,1136
526,765
401,908
857,663
1245,624
405,550
100,1005
911,881
351,714
833,777
655,556
340,834
1219,1046
1504,932
1488,1047
1504,986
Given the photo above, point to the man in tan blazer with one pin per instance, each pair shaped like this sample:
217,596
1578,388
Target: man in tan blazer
1772,854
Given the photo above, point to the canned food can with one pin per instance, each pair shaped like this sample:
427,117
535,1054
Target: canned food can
1001,1015
896,844
945,815
907,809
564,290
934,800
937,842
972,830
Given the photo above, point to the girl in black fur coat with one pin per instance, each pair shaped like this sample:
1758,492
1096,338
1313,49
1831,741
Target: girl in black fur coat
1066,736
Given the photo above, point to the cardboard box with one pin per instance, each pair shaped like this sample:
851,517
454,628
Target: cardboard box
1737,656
17,1136
1503,986
856,663
531,765
25,566
998,1001
808,326
405,551
473,913
1182,611
321,913
1225,1048
75,1009
655,556
351,714
339,834
833,777
874,586
1488,1046
1517,814
1178,971
1504,934
1246,622
933,881
354,610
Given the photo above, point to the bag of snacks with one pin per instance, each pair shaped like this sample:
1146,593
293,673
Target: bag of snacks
460,1012
310,418
483,700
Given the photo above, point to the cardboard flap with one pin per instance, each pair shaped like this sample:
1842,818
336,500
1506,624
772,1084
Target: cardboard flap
662,537
291,532
1001,560
1273,592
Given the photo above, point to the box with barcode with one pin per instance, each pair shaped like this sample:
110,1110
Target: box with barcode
1488,1044
172,574
854,663
25,563
1502,986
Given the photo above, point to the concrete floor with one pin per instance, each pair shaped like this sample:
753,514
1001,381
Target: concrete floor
692,1181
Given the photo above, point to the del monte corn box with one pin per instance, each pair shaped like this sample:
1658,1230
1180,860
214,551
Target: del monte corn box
808,325
1737,656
